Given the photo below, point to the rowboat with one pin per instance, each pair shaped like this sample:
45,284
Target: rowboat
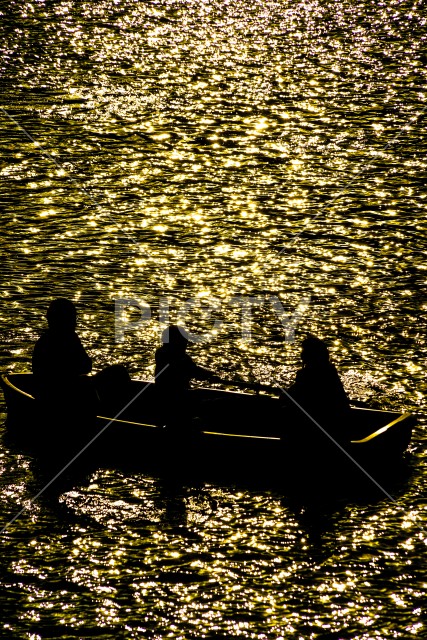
224,430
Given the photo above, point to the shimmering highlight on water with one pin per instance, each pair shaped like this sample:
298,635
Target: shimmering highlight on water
216,149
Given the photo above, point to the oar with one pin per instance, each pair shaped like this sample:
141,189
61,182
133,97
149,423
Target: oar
256,386
359,404
243,384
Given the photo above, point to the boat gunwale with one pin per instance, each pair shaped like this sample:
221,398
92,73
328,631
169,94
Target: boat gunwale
5,378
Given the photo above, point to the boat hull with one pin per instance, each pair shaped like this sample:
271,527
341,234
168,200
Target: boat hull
219,431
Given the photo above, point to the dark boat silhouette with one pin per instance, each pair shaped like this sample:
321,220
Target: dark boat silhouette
225,430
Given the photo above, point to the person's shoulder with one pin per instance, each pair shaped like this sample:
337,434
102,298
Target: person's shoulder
45,335
188,361
332,370
68,339
161,353
73,336
43,339
303,374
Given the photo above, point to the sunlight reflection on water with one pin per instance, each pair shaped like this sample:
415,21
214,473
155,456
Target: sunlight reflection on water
210,149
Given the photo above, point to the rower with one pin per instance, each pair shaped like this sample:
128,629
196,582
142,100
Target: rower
174,367
174,371
318,388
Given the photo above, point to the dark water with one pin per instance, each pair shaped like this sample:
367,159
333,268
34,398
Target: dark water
200,150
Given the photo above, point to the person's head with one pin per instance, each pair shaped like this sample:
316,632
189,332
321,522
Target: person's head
176,337
314,351
62,315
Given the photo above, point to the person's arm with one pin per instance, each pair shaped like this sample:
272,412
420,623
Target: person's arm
342,399
83,361
38,360
295,389
164,370
199,373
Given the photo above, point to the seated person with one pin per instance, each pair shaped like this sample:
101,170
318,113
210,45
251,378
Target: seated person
318,388
59,363
174,367
58,351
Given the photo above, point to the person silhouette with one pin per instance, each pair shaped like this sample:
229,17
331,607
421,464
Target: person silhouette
64,393
174,367
59,353
174,371
318,388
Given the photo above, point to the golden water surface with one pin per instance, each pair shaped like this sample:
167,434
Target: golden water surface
217,152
